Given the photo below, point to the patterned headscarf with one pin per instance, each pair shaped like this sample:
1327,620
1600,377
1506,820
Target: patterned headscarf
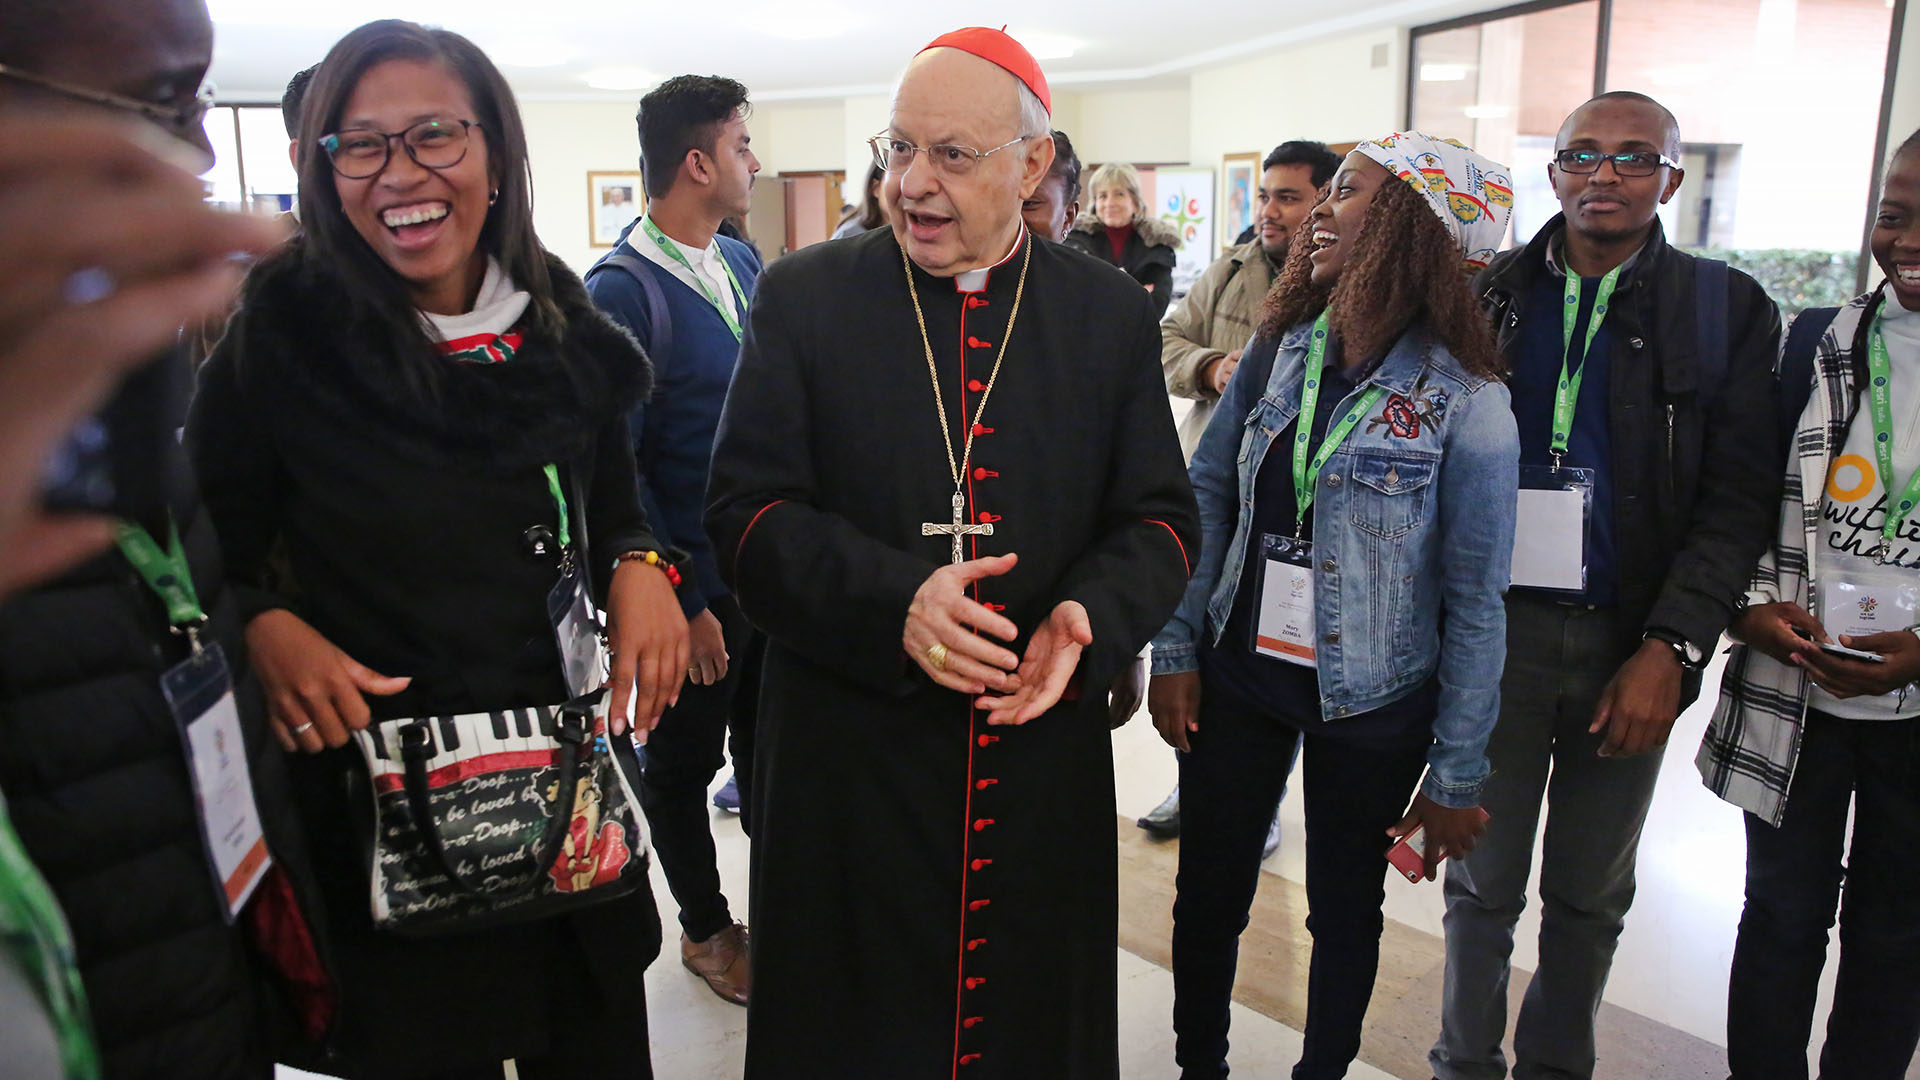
1470,193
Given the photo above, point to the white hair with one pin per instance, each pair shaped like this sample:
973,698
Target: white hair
1034,120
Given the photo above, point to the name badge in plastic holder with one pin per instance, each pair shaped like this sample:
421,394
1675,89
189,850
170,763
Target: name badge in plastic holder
576,629
1865,599
1283,625
1552,529
200,694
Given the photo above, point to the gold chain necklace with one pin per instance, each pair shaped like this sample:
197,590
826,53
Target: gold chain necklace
958,468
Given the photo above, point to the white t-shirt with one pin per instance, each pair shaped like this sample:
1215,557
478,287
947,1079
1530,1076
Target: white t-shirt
1853,507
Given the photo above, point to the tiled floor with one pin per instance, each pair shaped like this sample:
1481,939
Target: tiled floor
1671,967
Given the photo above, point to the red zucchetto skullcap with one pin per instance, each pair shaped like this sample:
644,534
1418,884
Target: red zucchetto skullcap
1000,48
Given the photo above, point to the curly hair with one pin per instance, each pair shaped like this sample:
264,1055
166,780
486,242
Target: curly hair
1404,266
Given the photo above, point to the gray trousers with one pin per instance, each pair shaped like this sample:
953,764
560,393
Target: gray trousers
1559,659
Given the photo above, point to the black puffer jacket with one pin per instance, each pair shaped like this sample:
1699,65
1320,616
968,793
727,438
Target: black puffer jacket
97,781
1148,256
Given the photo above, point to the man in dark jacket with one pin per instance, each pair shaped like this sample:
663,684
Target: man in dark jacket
683,289
94,769
1642,384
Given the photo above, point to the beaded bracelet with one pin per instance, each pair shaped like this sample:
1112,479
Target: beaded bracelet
652,558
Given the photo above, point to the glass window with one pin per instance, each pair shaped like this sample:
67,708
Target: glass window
271,181
223,180
1502,87
1777,122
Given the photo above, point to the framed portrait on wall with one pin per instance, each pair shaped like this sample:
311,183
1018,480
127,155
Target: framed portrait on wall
613,200
1239,180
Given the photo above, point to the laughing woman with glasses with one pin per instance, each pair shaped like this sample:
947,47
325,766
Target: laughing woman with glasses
372,435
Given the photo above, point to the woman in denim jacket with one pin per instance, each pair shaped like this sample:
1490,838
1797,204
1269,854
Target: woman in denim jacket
1366,618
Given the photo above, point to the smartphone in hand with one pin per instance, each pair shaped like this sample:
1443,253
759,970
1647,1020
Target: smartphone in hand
1832,648
1409,854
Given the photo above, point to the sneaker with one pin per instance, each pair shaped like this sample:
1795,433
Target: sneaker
1273,838
1163,821
728,797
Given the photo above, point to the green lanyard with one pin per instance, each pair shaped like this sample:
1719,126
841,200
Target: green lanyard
1305,475
1566,397
673,249
34,933
560,502
1880,404
165,572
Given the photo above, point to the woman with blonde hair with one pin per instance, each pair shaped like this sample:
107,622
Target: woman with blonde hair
1120,230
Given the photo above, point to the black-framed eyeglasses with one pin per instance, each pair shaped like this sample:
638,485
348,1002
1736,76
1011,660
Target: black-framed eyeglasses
178,119
896,155
1631,163
361,153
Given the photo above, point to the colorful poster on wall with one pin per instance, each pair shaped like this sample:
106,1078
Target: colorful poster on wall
1184,199
1238,185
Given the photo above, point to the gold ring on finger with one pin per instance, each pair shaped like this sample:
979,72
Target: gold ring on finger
937,656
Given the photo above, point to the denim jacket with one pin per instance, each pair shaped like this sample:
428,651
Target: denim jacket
1412,536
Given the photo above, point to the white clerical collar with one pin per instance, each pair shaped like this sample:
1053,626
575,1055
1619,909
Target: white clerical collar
976,280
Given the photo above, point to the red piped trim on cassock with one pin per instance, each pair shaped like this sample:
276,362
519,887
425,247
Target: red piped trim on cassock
741,546
1184,561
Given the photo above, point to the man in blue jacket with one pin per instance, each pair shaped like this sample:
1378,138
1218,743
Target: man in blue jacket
683,291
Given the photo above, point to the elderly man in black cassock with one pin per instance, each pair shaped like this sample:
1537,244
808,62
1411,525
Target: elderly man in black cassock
947,485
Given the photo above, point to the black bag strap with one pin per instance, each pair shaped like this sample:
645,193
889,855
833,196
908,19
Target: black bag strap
660,320
572,729
1710,328
1794,374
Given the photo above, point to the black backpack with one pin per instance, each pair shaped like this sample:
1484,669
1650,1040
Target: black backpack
1794,374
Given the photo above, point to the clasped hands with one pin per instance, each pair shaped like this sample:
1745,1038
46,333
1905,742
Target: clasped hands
947,634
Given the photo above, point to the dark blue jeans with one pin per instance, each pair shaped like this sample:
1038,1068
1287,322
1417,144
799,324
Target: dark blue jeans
1794,878
1355,789
680,759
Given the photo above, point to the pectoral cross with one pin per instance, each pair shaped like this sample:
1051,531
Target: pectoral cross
956,530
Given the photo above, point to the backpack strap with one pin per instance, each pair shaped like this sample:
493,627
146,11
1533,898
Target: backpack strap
659,320
1710,328
1794,372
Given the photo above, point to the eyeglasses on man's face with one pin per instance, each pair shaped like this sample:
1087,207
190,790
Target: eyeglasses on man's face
361,153
180,119
1632,163
952,159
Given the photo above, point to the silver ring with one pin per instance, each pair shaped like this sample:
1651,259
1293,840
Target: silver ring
88,285
303,728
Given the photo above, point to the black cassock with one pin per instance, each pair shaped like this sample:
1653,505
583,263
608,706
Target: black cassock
933,896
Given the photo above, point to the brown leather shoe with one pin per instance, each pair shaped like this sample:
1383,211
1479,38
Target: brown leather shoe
724,960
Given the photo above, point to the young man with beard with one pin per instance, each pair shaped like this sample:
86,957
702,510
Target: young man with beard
683,290
1201,338
1642,385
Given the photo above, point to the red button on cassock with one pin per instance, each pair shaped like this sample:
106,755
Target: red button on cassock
982,429
968,1059
988,519
976,301
981,864
976,943
975,983
988,740
981,825
982,785
985,474
972,1021
976,343
976,385
976,905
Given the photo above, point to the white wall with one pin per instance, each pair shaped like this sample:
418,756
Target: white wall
567,140
1127,125
1327,90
